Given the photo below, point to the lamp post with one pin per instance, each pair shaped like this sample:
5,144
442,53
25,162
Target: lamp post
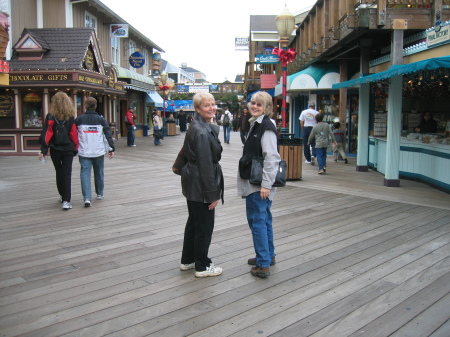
285,25
164,87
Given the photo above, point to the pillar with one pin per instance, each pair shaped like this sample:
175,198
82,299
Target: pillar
362,160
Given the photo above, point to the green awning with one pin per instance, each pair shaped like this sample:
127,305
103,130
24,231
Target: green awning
398,70
127,74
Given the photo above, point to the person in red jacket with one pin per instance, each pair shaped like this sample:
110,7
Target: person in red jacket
129,121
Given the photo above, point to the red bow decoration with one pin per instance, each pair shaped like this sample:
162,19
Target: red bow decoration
164,87
285,56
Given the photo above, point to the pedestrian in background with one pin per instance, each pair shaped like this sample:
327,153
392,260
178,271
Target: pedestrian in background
225,121
182,120
92,132
202,185
129,122
307,121
157,127
261,141
339,135
234,122
244,124
60,119
321,134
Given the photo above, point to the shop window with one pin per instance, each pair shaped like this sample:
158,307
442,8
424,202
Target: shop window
7,116
79,105
115,55
32,110
90,21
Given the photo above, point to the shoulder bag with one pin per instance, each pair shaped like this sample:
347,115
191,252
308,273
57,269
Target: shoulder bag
256,171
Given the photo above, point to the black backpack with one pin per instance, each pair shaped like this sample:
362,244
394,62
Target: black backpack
60,137
226,120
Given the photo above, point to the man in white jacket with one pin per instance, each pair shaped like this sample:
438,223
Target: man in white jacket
226,119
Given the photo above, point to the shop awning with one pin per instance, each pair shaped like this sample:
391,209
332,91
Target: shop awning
135,80
397,70
154,97
311,78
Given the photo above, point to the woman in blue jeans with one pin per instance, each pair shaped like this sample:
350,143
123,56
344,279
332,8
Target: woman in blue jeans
157,125
261,141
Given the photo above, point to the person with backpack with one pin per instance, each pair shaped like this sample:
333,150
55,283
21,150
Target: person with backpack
129,122
225,120
93,131
60,136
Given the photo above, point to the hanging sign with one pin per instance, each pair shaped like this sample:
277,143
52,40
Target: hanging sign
267,58
137,59
119,30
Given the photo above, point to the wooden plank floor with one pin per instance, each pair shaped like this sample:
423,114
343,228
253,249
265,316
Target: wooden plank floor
353,257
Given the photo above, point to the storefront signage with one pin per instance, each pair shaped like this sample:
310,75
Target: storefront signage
199,88
267,59
83,78
89,60
438,35
182,88
6,105
137,59
241,43
40,78
119,30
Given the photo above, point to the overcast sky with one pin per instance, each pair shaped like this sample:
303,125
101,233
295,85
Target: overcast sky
200,32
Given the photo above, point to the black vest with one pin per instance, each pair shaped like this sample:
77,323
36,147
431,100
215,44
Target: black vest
253,144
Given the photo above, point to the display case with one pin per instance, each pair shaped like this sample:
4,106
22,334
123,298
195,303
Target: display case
380,124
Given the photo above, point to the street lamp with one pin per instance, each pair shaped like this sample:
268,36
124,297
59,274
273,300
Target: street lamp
285,25
164,87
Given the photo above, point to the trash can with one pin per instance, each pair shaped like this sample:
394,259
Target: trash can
145,128
171,128
291,150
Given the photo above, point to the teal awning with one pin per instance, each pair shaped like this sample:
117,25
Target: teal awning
398,70
154,97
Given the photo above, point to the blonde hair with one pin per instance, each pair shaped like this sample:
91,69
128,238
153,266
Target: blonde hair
265,99
200,97
61,106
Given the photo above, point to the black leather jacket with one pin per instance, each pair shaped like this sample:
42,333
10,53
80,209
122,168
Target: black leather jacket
202,178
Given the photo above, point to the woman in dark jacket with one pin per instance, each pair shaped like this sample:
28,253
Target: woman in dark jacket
62,151
427,124
182,121
202,185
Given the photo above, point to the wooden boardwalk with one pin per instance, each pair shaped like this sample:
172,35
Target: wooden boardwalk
354,258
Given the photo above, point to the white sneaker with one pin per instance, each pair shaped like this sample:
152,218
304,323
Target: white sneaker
99,196
212,270
66,205
87,203
312,160
187,266
307,162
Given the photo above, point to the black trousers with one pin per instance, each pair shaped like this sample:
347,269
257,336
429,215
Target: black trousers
197,235
62,161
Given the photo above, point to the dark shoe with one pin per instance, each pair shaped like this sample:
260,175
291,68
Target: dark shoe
346,161
324,169
260,271
252,261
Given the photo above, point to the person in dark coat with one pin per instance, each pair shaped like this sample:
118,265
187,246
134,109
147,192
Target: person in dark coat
182,121
244,124
427,124
202,185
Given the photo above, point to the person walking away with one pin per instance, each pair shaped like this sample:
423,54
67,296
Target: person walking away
202,185
92,132
244,124
226,120
157,125
321,134
307,121
261,141
339,135
234,122
129,121
60,135
182,120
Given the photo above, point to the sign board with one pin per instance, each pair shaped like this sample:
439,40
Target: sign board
241,43
118,30
137,59
438,35
267,58
199,88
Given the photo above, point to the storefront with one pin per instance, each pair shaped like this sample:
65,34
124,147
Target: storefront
388,139
40,67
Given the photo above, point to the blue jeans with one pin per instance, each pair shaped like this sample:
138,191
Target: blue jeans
259,219
321,157
226,133
130,135
85,175
156,141
307,152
